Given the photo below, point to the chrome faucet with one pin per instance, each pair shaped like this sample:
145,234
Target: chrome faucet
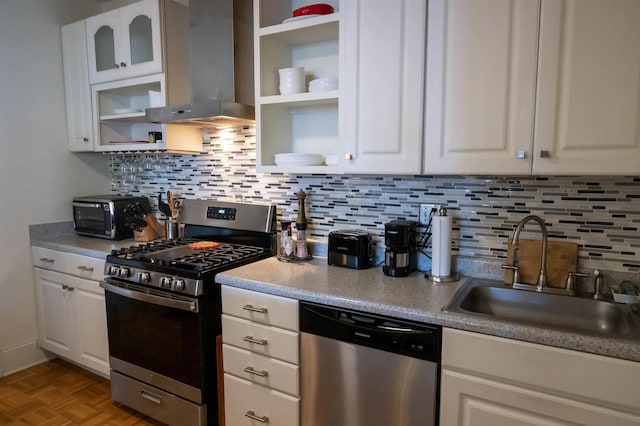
542,275
541,285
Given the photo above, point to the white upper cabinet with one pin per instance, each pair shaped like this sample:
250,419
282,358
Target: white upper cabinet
306,122
588,101
124,42
121,62
533,87
372,123
76,88
480,90
382,85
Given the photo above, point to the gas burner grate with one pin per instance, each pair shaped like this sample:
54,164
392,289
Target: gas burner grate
177,254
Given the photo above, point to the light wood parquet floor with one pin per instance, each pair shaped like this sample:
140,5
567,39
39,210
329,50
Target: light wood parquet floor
59,393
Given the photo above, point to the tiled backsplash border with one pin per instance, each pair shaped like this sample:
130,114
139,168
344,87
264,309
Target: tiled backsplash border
599,213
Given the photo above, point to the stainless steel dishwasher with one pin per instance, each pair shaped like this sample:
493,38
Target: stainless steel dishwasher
361,369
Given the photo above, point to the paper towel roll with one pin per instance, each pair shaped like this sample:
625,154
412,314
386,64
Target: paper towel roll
441,246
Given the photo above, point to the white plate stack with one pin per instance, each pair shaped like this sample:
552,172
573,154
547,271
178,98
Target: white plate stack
296,159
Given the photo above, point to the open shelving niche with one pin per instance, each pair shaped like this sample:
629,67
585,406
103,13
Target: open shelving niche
126,131
304,122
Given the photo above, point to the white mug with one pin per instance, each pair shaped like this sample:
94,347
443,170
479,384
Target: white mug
292,80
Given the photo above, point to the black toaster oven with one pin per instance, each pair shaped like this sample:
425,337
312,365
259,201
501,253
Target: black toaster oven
103,216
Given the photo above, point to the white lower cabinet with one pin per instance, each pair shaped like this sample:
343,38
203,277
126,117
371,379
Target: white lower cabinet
260,355
489,380
72,319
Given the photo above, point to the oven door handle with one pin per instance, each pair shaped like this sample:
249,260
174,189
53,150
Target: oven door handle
156,300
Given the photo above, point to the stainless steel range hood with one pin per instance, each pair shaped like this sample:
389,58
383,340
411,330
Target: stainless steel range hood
221,67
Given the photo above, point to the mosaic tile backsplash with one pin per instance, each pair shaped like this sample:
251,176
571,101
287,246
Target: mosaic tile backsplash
600,214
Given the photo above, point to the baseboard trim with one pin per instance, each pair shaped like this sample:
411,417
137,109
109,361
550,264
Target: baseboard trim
22,357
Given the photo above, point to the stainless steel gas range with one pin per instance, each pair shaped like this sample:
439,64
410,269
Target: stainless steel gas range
163,310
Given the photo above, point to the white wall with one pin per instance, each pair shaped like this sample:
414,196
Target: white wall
38,175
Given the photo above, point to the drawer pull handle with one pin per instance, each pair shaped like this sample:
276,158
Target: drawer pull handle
66,287
151,397
85,268
250,339
251,370
47,260
252,415
254,309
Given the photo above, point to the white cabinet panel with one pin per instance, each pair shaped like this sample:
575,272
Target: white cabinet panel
54,320
481,63
91,324
533,87
245,402
492,380
76,87
383,85
270,372
269,341
475,401
124,42
263,308
588,102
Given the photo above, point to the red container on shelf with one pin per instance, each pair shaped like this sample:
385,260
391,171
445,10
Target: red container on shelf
314,9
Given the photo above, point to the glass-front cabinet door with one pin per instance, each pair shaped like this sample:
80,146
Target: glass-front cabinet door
125,42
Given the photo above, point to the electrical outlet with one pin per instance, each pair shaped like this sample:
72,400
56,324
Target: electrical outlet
425,213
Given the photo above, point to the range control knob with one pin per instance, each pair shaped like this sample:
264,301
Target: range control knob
112,270
178,285
144,277
165,282
123,272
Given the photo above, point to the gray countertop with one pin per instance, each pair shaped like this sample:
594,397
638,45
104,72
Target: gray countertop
413,297
61,236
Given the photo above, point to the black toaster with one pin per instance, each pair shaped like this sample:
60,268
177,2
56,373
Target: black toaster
350,249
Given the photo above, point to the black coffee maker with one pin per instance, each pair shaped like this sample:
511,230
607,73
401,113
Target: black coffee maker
400,254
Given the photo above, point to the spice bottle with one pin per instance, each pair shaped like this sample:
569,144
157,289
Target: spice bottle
289,246
283,237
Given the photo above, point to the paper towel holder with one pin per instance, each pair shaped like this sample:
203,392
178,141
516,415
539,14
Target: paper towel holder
452,276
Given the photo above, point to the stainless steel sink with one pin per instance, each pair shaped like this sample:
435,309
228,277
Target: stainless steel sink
492,299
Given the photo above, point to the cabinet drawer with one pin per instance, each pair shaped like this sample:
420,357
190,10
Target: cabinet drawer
48,259
87,267
262,339
264,308
243,399
273,373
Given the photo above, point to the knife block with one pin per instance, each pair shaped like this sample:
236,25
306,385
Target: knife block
151,232
147,234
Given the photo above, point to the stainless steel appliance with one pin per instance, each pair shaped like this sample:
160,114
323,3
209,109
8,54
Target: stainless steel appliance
220,67
350,248
163,309
400,253
360,369
104,216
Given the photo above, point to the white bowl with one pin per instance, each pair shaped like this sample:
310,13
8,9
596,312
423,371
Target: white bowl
298,159
323,84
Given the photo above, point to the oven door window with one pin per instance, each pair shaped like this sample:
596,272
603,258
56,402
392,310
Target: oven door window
161,339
